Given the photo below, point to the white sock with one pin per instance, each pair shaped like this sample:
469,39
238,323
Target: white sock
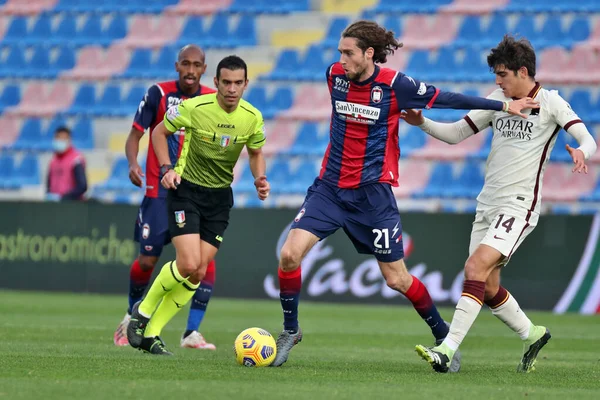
511,314
465,314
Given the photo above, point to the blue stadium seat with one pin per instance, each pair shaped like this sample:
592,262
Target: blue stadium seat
11,96
409,6
134,97
140,62
39,65
119,177
109,103
418,63
245,32
42,29
28,172
469,182
485,149
65,60
580,29
16,31
412,140
285,67
117,29
470,32
164,66
14,64
473,68
57,121
393,23
440,178
302,178
444,67
217,35
65,32
525,27
594,195
313,65
83,136
581,102
279,174
497,28
85,100
192,31
281,100
245,184
90,33
552,34
309,141
334,32
559,153
9,180
32,138
257,96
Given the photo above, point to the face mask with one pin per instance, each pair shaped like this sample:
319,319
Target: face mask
59,145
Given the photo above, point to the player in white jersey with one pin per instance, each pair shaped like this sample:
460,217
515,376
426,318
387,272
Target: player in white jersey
509,204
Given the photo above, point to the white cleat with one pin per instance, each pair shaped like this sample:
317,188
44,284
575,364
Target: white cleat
120,336
195,340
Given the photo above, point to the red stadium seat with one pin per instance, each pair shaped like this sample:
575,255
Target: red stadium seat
414,175
552,64
10,130
33,98
89,59
281,135
312,104
437,150
474,7
195,7
29,7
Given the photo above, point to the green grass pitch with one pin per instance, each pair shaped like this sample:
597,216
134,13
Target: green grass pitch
59,346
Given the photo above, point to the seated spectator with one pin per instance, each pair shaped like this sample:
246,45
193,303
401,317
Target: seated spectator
66,173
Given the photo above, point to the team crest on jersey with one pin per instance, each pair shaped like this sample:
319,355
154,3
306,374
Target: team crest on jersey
180,218
376,94
225,141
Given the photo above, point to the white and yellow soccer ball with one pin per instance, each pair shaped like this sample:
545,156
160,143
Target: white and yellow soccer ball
255,347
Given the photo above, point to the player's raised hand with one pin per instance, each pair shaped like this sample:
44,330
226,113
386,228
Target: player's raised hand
136,174
516,106
263,187
412,117
170,180
578,159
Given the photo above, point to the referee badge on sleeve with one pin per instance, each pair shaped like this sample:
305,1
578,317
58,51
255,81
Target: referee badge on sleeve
180,218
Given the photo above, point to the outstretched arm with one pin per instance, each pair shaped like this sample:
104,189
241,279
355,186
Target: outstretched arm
451,133
587,147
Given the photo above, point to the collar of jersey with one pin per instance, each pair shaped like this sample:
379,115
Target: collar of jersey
533,92
371,78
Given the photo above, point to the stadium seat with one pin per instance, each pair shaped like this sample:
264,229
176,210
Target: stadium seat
470,32
84,102
41,30
412,140
109,103
195,7
64,33
468,184
119,177
257,96
309,141
83,136
139,64
286,65
17,30
441,177
192,31
90,33
301,178
10,181
245,32
55,123
28,172
497,28
334,31
582,103
31,137
279,175
134,97
14,63
11,96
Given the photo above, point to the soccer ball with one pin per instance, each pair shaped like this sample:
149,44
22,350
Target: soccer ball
254,347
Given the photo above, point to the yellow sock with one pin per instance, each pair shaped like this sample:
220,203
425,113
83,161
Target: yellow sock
171,304
167,280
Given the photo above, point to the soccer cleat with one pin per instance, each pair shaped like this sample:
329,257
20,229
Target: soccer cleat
285,342
438,360
455,362
154,345
120,336
195,340
137,326
538,338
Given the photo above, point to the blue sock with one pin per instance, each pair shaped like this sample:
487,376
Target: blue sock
198,307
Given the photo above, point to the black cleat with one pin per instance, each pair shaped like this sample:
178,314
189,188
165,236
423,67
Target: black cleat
137,326
154,345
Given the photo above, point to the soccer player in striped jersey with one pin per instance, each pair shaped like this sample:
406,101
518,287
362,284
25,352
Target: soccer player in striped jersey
151,228
508,206
360,166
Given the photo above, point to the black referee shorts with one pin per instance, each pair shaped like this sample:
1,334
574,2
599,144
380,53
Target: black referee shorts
197,209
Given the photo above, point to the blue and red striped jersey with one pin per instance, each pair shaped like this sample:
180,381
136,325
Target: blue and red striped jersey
363,145
150,113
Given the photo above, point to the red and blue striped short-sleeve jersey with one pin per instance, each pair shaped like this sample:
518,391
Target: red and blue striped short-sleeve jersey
363,145
150,113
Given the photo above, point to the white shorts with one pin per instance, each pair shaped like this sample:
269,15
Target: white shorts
502,227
